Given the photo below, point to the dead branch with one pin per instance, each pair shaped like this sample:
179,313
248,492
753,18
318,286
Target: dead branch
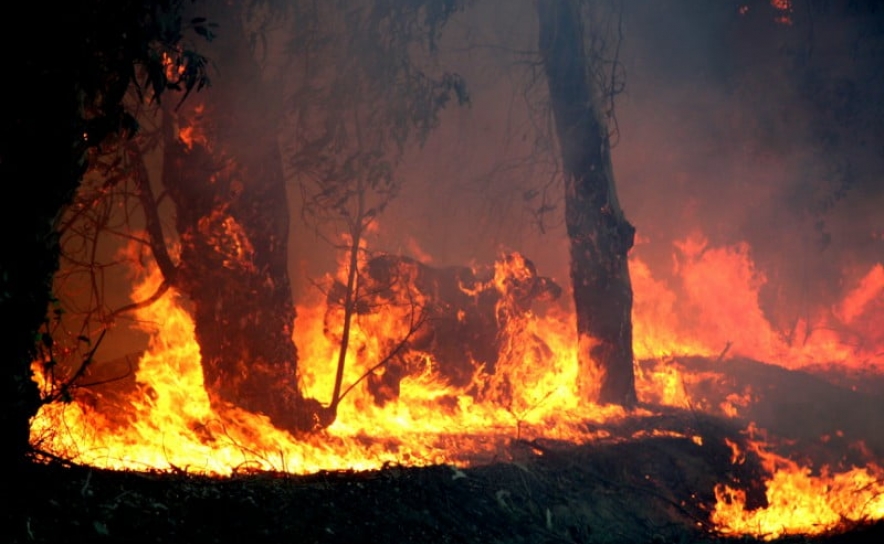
161,290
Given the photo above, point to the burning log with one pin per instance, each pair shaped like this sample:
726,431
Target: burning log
459,315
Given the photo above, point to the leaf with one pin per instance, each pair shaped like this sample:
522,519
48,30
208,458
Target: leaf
129,124
100,528
204,32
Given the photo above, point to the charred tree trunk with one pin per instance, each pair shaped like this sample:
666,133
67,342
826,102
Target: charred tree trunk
30,253
600,236
226,180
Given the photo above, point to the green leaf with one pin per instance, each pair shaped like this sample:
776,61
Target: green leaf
100,528
204,32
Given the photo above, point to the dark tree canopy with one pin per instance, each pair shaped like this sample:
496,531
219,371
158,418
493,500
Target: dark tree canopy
65,96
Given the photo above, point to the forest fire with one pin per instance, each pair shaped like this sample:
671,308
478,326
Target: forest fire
801,502
229,298
721,287
164,421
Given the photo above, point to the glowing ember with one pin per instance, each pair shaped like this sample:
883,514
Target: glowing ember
785,9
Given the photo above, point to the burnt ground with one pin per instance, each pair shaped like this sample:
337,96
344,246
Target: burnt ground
631,487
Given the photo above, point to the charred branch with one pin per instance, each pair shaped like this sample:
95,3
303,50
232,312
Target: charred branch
457,316
153,224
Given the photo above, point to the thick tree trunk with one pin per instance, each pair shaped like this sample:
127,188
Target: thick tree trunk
233,221
41,164
599,233
29,260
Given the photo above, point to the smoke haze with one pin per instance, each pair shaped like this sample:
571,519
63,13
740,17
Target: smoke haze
735,125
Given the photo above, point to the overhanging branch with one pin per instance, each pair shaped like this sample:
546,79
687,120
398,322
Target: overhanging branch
153,225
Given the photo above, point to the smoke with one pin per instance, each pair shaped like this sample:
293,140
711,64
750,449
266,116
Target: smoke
734,123
750,129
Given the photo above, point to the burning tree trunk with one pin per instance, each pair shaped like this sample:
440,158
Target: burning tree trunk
224,173
223,170
599,233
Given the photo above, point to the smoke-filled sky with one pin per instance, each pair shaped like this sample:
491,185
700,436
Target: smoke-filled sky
755,121
758,130
740,121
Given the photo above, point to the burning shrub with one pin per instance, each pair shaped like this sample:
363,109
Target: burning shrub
459,315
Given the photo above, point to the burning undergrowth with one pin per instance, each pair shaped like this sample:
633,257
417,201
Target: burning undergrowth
626,488
471,372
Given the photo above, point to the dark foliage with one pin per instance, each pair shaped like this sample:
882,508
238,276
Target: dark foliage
65,88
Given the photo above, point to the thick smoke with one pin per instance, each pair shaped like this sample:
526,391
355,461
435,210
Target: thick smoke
760,126
739,121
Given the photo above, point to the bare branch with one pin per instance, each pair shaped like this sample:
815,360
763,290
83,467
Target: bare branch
154,227
161,290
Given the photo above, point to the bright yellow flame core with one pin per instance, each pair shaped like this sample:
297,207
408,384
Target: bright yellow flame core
801,503
168,423
171,425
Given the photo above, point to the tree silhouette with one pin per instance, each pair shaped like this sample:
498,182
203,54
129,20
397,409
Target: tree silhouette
83,65
600,236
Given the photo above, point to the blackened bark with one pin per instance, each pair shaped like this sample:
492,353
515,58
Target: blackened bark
41,164
600,236
64,95
232,218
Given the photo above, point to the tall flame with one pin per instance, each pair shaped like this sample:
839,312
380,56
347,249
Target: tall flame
169,423
719,310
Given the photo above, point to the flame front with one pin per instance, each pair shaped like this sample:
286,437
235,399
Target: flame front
166,421
800,502
719,311
169,423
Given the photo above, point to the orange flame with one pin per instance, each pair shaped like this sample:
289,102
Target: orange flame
719,312
864,296
800,502
191,132
166,422
170,424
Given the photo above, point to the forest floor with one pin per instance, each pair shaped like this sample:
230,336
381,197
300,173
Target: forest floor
634,487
